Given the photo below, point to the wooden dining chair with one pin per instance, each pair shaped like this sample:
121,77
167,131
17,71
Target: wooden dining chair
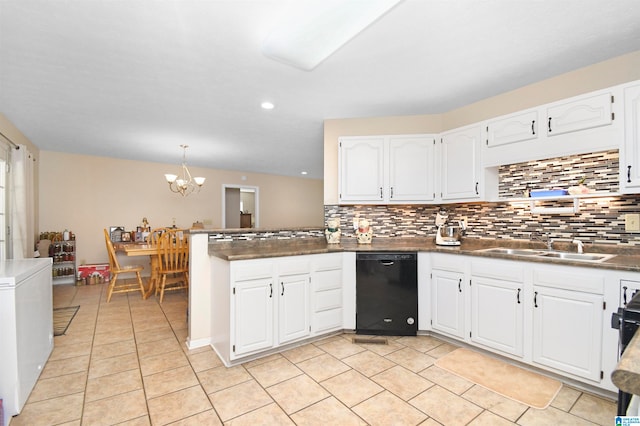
123,286
173,261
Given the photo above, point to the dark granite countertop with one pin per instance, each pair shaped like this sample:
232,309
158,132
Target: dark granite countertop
626,259
626,376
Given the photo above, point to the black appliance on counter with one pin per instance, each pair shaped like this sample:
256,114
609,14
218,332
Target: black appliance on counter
387,293
627,321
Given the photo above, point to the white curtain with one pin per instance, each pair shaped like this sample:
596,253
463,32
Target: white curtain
21,203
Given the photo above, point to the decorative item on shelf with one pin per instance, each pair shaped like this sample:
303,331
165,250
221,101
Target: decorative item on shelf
197,225
581,188
332,232
184,184
364,232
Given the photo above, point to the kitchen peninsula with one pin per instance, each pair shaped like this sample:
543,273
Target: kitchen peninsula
588,291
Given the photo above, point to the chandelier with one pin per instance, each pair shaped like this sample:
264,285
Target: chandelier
184,184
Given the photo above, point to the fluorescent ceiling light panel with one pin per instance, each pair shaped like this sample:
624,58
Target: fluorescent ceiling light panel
311,31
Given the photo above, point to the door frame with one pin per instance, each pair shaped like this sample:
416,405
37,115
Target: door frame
241,187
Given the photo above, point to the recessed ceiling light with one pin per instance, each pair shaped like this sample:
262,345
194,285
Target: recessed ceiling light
267,105
303,173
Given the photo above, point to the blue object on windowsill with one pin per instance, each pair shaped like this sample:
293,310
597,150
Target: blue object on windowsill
548,193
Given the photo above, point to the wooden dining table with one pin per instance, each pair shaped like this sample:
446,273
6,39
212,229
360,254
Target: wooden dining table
142,249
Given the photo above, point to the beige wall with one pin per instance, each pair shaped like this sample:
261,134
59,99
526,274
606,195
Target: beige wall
86,194
598,76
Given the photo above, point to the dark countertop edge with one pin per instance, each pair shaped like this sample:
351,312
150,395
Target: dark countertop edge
248,250
254,230
626,375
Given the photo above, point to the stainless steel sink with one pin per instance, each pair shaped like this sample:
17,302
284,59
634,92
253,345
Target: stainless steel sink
589,257
583,257
514,252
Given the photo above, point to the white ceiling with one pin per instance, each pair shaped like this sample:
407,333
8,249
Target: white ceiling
135,79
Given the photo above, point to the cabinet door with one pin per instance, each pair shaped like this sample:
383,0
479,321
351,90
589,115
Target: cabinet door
361,175
630,155
584,113
447,302
293,302
411,168
515,128
497,314
567,331
253,315
460,161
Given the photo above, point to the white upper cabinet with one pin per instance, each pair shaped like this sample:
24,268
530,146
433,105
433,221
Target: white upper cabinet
387,169
581,124
411,168
519,127
461,167
584,113
630,151
361,175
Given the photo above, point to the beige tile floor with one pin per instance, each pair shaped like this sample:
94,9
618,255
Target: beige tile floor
125,363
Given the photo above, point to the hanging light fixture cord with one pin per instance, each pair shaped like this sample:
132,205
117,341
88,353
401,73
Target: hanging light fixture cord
185,184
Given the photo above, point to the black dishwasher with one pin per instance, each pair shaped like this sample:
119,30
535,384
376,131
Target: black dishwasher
387,293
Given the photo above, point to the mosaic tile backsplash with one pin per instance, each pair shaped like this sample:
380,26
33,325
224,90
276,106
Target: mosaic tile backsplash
599,221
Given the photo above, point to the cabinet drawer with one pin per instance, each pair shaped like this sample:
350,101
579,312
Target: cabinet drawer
569,280
324,262
251,270
294,265
327,320
502,270
448,262
325,280
324,300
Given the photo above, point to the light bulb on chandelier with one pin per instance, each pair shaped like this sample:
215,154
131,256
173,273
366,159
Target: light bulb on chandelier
184,184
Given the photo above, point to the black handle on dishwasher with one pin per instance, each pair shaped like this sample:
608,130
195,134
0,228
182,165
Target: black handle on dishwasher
535,299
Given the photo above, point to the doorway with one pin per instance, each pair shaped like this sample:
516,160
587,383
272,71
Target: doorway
239,206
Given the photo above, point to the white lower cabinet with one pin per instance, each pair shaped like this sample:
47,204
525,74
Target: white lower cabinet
497,305
497,315
253,315
274,302
551,316
567,331
568,305
293,307
448,302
